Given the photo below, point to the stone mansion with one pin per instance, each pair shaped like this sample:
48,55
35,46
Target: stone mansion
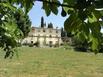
46,36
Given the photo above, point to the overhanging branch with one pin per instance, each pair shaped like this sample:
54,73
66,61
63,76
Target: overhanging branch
56,3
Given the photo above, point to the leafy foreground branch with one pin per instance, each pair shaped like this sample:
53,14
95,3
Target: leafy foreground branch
83,19
14,25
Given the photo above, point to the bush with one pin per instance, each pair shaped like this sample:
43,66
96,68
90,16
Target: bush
37,44
31,45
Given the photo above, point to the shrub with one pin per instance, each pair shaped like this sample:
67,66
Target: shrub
37,44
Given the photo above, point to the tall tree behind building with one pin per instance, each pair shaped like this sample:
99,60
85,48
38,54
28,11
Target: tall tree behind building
50,25
42,22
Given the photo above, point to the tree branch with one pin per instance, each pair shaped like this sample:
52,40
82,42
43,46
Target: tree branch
55,3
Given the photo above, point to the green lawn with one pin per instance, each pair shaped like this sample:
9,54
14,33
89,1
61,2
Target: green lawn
51,62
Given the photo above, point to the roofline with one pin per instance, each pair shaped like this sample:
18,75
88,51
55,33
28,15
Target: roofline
44,28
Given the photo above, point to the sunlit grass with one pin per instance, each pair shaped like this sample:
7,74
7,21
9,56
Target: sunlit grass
51,62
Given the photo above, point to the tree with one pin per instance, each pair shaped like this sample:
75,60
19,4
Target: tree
80,45
83,16
42,22
14,25
84,22
83,19
63,33
23,22
50,25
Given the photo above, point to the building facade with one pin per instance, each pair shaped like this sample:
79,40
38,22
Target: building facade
46,36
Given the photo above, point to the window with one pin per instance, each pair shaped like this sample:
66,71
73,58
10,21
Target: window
50,43
43,30
50,36
31,42
56,36
56,31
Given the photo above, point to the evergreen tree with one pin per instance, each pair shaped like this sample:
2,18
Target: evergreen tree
63,33
42,22
50,25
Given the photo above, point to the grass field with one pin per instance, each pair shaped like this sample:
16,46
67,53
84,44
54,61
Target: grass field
39,62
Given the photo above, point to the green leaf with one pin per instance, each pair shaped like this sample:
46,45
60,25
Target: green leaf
63,13
54,8
95,44
72,23
101,12
50,7
95,29
46,8
81,36
92,18
28,4
8,5
69,2
85,29
98,14
68,10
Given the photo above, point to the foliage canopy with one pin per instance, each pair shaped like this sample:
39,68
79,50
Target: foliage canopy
84,19
14,25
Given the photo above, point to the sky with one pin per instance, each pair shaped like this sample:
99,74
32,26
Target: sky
37,12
